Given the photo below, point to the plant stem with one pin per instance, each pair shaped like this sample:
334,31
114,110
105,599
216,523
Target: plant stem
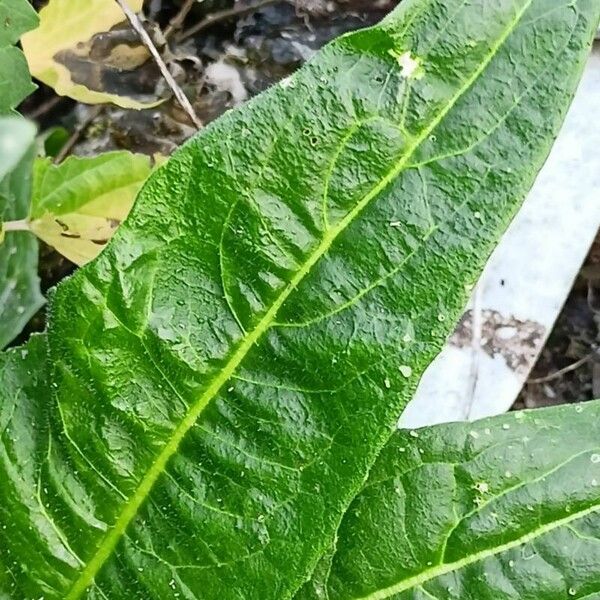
177,21
22,225
568,369
222,15
79,130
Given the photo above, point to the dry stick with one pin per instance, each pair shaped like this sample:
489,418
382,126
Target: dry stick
558,374
66,149
181,97
46,107
178,20
222,15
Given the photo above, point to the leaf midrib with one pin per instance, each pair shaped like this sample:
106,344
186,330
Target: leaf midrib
439,570
131,507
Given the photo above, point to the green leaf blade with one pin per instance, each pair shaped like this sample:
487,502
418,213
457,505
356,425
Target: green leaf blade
16,17
20,295
503,508
228,369
24,448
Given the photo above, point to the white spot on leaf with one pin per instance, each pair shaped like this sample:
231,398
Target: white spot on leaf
482,487
411,65
405,370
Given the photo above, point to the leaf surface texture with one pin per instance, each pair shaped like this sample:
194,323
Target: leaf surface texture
504,508
224,375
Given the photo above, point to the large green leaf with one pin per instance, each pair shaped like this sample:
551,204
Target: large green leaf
23,382
507,509
223,376
20,295
16,17
76,206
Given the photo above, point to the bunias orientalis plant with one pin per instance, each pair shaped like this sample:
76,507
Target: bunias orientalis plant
213,390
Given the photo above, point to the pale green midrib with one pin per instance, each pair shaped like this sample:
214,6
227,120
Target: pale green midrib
130,509
509,490
438,571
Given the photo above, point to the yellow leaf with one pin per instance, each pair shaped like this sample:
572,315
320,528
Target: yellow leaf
78,237
63,51
77,206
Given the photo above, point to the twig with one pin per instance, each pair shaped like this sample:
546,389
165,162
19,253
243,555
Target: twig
181,97
46,107
568,369
66,149
223,15
178,20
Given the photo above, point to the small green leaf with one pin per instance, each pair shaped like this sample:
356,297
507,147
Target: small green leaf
51,141
77,206
20,296
16,17
504,508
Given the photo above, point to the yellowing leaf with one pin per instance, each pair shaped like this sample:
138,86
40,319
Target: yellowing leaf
77,206
67,53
